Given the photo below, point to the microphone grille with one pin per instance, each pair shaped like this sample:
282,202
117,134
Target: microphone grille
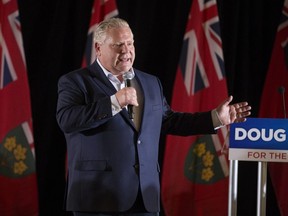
128,75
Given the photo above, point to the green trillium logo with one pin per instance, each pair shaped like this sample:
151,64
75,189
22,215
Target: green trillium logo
16,158
204,164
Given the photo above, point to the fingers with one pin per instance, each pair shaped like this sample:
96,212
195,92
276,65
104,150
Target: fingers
127,96
242,107
242,111
241,104
243,114
131,96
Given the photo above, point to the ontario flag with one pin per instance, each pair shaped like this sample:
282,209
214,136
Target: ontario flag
195,168
102,9
274,102
18,185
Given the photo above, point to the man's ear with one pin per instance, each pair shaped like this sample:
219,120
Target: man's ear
97,49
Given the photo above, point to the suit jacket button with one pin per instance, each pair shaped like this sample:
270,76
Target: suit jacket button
139,142
102,116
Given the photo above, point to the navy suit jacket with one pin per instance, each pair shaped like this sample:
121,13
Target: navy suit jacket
103,150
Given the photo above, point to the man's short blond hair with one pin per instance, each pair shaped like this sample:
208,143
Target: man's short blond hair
101,29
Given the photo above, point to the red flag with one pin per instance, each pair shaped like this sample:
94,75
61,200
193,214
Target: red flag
102,9
195,169
18,186
274,102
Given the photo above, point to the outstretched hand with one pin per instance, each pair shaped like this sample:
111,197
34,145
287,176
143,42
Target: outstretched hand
229,114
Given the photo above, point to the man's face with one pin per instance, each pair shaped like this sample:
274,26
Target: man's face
117,53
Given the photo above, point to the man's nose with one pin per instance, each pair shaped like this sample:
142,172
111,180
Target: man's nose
124,48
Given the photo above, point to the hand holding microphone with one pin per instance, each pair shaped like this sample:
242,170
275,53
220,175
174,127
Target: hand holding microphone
127,96
127,77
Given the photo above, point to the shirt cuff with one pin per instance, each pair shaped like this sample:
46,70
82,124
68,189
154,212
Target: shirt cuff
216,121
116,108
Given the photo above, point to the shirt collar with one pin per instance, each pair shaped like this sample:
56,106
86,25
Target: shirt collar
107,72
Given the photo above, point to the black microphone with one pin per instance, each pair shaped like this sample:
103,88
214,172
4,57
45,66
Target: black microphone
281,90
127,77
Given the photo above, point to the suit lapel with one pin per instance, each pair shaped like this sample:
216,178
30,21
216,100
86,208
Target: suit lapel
100,79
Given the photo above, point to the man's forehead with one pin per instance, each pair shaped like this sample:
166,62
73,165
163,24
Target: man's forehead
119,40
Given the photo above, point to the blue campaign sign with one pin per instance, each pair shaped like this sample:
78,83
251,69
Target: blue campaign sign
259,133
259,139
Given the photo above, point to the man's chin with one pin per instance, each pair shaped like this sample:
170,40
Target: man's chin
126,68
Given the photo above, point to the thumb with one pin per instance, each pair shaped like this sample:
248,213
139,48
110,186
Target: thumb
227,101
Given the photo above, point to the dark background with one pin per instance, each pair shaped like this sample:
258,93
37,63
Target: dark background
54,34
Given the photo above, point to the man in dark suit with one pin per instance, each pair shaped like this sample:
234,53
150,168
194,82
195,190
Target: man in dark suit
112,156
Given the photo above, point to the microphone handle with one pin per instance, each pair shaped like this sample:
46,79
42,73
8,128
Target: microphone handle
130,111
129,107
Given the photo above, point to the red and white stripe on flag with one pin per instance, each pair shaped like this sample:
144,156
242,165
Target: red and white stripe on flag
195,168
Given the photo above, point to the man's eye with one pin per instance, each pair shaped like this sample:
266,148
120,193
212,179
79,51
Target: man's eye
119,45
115,45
